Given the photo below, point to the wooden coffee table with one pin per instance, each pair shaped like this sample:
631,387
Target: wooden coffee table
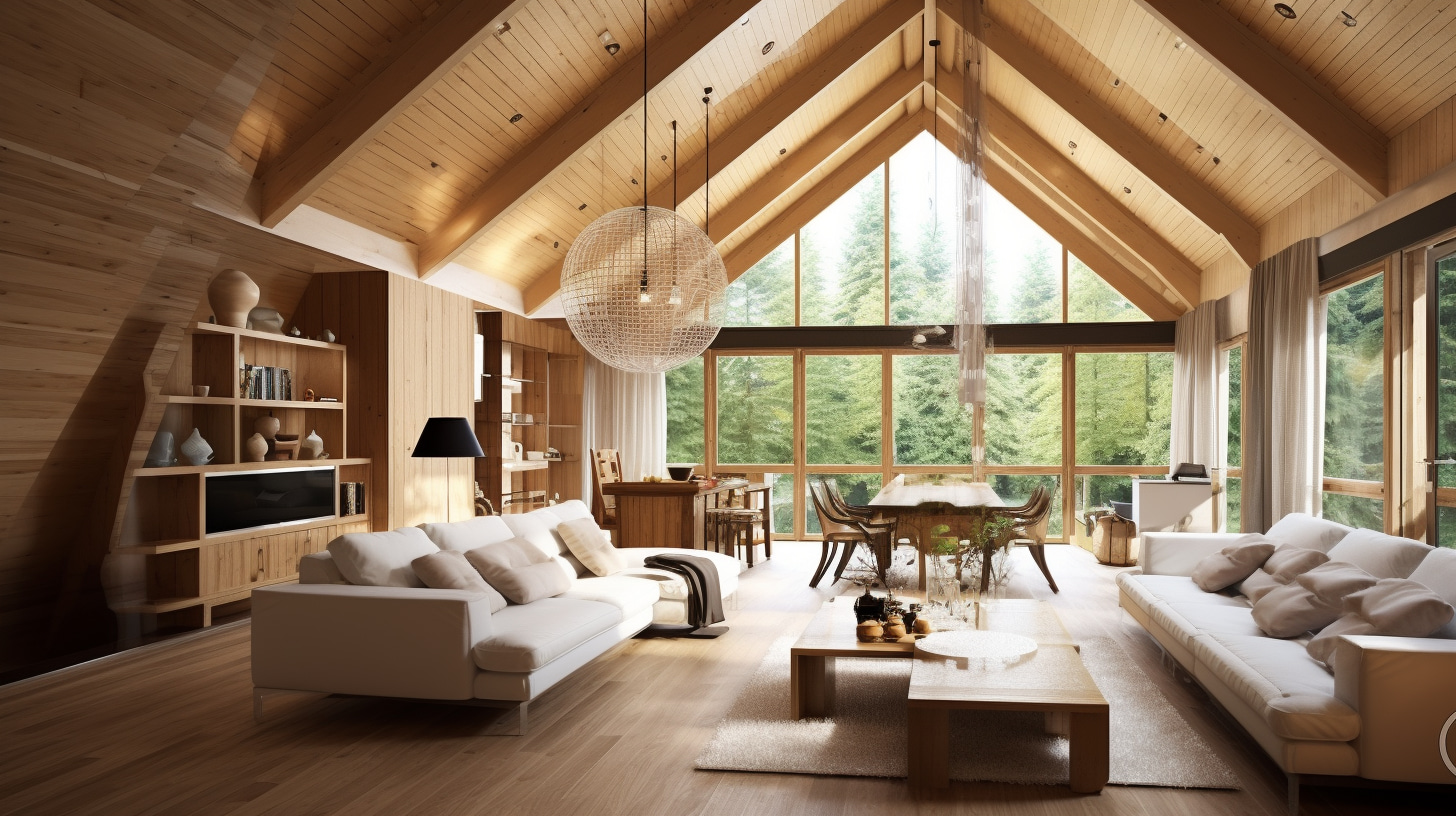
830,635
1053,680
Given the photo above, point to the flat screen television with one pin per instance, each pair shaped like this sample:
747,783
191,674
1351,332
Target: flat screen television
266,498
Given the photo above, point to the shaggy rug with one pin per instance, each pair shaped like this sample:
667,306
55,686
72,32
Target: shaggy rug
1151,744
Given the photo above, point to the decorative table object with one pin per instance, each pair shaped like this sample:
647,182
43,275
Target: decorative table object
160,454
232,295
312,447
255,449
196,450
267,427
978,644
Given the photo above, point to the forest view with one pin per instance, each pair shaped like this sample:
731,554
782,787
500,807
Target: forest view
1123,401
1355,398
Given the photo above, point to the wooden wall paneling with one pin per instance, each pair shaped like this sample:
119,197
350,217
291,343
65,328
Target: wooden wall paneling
1331,203
1425,147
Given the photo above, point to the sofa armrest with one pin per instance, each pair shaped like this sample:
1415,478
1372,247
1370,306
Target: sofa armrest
1179,553
1402,689
376,641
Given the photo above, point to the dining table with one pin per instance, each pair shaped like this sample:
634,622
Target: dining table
931,508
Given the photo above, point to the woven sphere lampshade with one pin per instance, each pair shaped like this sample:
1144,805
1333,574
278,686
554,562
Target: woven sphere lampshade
643,317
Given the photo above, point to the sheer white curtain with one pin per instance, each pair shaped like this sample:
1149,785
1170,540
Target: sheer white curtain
1196,422
1284,389
628,412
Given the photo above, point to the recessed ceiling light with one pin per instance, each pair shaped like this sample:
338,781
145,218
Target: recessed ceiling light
502,28
1127,190
555,244
1215,160
516,118
767,47
1349,19
1072,145
1162,117
745,22
1178,44
582,207
783,150
1116,83
1285,11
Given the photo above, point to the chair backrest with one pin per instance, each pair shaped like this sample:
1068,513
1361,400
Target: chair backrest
1033,523
830,521
606,469
836,499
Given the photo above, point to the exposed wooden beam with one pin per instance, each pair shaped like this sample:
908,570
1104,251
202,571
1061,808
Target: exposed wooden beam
345,126
1345,139
533,165
1147,158
1165,260
826,192
791,96
1084,238
795,166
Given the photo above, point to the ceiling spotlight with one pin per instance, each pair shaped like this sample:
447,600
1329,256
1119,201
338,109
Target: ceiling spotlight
1198,148
1178,44
767,47
610,43
1285,11
1116,83
555,244
1127,190
1349,20
1162,117
1072,145
516,118
582,207
434,165
783,150
1215,160
744,22
502,28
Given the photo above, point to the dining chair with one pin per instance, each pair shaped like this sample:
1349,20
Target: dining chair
606,469
848,531
1031,529
836,500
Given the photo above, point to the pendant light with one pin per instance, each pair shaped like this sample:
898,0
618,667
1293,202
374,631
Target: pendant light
642,287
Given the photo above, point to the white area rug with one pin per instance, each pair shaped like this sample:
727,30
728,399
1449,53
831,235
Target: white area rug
1151,744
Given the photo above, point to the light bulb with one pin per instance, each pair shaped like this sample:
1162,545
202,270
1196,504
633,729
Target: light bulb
675,298
644,297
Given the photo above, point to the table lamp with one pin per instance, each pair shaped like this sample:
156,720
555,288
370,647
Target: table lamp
447,438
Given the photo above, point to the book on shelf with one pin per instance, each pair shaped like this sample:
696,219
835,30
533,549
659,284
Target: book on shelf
351,498
266,382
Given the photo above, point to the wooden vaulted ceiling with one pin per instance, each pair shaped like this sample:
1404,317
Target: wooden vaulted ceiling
1153,137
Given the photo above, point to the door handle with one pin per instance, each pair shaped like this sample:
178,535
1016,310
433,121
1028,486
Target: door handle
1431,465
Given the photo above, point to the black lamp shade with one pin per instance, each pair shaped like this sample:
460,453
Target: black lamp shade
447,437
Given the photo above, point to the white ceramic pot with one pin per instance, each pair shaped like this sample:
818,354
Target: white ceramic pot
232,294
196,450
312,447
160,454
255,449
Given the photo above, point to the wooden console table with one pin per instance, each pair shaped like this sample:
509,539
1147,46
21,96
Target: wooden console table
672,514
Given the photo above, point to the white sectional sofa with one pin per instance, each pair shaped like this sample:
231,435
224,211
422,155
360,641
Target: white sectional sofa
325,634
1385,712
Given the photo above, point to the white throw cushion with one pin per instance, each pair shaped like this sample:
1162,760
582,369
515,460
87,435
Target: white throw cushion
591,547
519,570
1394,606
1286,564
450,569
381,559
463,536
1233,563
539,528
1307,532
1379,554
1437,573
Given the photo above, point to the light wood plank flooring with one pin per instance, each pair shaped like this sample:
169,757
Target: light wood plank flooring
168,729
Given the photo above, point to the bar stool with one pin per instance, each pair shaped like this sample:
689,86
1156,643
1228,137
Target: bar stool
733,528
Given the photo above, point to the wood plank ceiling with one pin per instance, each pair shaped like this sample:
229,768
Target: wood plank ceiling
1162,133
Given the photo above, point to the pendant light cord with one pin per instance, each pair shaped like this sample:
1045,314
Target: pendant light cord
935,137
707,165
644,149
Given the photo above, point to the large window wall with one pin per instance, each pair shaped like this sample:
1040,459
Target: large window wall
1092,419
1354,437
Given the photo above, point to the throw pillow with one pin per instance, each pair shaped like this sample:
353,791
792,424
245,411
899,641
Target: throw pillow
381,559
1379,554
591,546
1233,563
469,534
1314,600
449,569
1286,564
519,570
1393,606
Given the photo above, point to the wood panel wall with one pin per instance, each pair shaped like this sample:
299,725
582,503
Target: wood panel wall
1424,147
410,358
116,123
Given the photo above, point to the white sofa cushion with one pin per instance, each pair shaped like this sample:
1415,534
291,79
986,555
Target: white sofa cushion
629,594
1148,590
1233,563
463,536
1293,694
1394,606
519,571
1437,573
591,547
450,569
1381,555
527,637
319,568
381,559
539,528
1308,532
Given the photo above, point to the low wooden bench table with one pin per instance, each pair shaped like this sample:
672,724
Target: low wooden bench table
1053,680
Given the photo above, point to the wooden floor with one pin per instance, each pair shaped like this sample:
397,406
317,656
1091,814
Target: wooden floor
168,729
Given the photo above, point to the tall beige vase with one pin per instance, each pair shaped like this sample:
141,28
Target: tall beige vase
232,294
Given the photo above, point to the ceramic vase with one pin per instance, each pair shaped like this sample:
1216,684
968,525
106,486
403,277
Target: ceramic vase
267,426
196,450
312,446
255,449
232,294
160,454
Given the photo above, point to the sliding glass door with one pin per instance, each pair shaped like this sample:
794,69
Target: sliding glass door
1441,407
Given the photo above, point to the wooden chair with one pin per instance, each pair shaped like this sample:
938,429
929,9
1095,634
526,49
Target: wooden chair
848,531
1031,529
606,469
